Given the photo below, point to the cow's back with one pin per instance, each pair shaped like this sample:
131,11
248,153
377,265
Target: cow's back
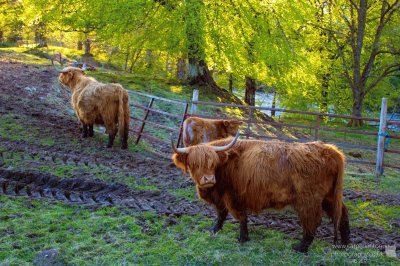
93,100
273,174
199,130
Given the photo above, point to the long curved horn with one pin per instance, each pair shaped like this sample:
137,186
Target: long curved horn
178,150
229,145
60,70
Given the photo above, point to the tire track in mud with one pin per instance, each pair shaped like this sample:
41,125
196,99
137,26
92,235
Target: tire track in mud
128,163
98,193
90,192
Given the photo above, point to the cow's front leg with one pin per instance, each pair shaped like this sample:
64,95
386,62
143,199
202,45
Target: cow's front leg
85,132
222,214
240,215
304,244
90,133
310,215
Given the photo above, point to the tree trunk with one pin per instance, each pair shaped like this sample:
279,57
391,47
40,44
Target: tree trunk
273,105
199,74
126,61
79,45
135,56
1,36
88,47
181,69
149,59
230,83
167,65
40,39
323,108
357,107
250,94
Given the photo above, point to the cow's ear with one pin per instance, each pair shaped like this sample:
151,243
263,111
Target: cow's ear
235,123
70,74
226,123
224,156
180,160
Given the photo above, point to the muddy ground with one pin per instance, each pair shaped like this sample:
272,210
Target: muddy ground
30,94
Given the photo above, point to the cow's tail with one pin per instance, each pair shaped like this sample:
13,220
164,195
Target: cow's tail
338,193
123,117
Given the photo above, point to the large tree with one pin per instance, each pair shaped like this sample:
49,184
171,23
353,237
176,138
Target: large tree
11,23
367,44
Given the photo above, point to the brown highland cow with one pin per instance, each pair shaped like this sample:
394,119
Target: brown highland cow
247,176
98,103
200,130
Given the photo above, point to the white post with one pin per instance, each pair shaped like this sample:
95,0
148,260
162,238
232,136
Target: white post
381,139
195,97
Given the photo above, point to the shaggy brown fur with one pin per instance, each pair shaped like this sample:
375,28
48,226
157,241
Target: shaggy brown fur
98,103
199,130
254,175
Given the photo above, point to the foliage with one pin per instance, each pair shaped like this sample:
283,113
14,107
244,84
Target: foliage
304,49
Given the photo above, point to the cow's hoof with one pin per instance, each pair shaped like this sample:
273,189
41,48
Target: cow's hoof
215,229
300,247
243,239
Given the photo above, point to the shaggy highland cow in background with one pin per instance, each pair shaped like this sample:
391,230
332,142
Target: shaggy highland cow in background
199,130
247,176
98,103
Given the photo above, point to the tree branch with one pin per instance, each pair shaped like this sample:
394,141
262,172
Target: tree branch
353,4
388,70
378,33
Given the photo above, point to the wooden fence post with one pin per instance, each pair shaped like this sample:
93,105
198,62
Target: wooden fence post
380,152
195,97
181,126
248,130
317,122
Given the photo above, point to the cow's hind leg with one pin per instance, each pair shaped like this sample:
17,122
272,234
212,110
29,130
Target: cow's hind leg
112,132
310,217
111,138
85,132
344,227
90,131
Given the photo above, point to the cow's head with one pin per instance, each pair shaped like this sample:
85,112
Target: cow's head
69,76
232,126
202,160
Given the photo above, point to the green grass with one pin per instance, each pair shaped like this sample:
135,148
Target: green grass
17,54
14,127
365,214
112,236
388,183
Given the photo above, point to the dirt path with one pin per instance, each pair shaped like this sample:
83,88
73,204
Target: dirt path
30,95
